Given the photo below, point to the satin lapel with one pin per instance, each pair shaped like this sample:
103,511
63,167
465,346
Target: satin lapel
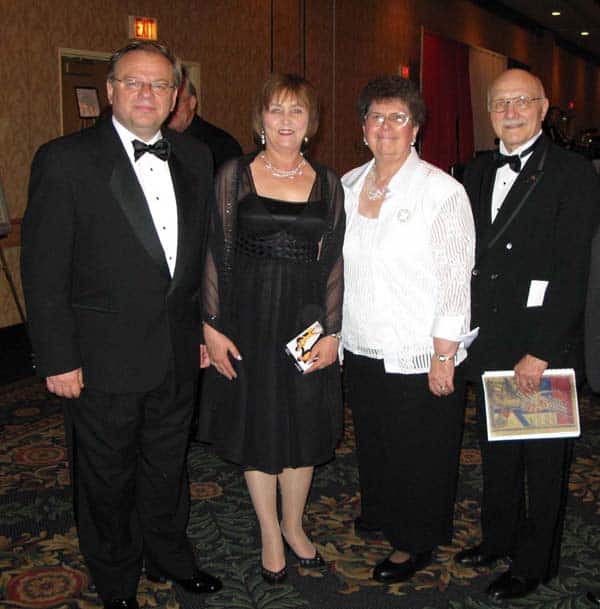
483,216
129,195
186,197
516,198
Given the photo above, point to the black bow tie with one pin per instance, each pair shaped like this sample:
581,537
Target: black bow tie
513,160
160,149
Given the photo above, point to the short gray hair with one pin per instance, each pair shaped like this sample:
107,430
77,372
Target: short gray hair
148,46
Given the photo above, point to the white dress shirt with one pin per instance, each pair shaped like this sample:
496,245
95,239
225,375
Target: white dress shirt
407,274
505,176
155,179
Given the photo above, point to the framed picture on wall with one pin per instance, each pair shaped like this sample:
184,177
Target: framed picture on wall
88,103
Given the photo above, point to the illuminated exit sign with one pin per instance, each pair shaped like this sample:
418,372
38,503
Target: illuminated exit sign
143,28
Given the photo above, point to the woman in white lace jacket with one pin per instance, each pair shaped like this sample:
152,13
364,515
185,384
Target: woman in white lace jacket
408,255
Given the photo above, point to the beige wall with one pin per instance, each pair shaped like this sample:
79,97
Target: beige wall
339,45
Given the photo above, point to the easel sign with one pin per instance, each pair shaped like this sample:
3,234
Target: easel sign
4,217
4,230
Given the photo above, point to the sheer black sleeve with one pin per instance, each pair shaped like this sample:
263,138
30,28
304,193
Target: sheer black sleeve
220,250
332,263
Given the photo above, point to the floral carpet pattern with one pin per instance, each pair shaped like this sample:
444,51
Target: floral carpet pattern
41,567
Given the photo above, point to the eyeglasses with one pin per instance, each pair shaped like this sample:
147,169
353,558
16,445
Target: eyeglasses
159,87
521,102
394,119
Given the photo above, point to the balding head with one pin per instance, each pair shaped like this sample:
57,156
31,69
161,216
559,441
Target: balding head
515,120
187,102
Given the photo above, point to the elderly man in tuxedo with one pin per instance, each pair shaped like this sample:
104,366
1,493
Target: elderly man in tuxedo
592,338
113,249
535,209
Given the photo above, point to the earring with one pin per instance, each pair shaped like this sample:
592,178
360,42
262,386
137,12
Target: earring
305,139
263,139
413,142
365,141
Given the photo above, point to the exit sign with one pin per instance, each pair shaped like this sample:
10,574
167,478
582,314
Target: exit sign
143,28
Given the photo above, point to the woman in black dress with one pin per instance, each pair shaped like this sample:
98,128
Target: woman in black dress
274,266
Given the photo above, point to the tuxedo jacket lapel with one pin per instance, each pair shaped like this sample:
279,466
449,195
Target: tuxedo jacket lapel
129,195
516,198
183,186
483,216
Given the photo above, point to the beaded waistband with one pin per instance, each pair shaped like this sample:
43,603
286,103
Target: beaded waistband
277,246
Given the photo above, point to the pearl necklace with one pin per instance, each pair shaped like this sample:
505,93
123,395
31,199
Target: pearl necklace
374,193
282,173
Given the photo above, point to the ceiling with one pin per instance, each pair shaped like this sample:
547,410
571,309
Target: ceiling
576,16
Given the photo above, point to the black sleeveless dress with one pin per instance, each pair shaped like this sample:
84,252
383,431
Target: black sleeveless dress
273,416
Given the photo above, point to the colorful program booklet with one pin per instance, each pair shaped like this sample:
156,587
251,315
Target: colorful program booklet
550,412
298,348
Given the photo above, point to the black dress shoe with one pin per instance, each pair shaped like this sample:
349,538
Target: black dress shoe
273,577
388,572
509,586
593,598
474,557
199,583
121,603
360,526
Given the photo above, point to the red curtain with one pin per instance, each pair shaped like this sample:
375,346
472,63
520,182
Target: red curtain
448,133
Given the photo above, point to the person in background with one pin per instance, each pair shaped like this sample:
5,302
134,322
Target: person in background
113,251
408,255
274,267
535,208
185,120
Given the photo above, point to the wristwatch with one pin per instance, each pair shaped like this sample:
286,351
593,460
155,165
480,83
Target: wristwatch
442,357
337,335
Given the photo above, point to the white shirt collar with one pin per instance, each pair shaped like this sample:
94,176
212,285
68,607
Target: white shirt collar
127,137
399,179
355,183
522,147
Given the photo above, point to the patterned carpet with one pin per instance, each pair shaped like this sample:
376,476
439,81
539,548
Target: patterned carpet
41,566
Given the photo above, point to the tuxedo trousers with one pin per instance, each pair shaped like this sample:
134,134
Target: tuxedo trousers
525,488
130,483
408,447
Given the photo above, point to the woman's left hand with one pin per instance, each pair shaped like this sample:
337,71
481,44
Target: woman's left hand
441,373
441,377
323,354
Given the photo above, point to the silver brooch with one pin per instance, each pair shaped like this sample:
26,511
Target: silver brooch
403,215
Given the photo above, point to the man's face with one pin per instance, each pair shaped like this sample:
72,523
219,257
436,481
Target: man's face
142,111
184,110
515,126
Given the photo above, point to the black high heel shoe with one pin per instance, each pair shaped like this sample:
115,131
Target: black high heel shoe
316,562
273,577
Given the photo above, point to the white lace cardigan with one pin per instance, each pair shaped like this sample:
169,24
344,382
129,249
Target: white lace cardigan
420,266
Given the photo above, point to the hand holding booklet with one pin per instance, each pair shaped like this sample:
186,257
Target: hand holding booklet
550,412
298,348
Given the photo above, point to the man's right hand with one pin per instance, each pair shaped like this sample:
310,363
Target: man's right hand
67,384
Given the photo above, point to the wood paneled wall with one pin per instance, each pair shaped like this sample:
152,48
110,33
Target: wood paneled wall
338,44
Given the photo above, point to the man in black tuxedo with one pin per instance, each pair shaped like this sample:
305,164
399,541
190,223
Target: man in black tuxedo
592,336
113,252
535,209
185,120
